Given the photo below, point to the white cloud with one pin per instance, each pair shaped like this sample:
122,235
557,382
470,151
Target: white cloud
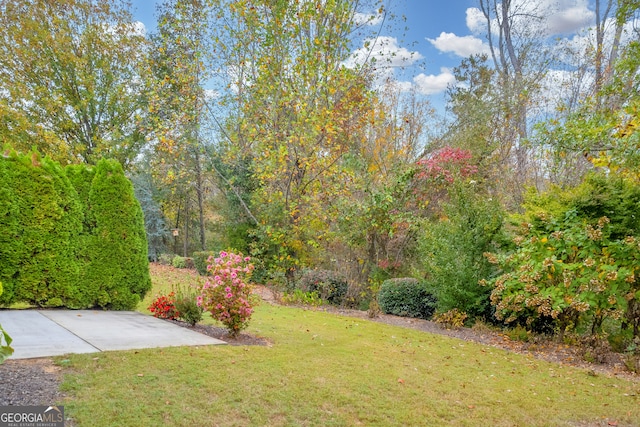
385,51
211,94
135,28
476,22
464,46
569,20
139,29
432,84
367,18
555,16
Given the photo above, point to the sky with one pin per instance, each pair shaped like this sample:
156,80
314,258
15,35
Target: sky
437,35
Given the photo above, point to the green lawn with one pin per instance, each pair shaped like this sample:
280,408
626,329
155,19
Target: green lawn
328,370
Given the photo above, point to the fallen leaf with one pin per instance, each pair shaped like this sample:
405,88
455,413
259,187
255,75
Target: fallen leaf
400,380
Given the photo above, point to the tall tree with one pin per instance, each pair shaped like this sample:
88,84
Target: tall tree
516,34
70,84
297,109
177,105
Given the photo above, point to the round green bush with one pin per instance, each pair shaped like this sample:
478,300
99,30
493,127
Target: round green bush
406,297
331,286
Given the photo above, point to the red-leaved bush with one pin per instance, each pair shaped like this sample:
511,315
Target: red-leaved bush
446,163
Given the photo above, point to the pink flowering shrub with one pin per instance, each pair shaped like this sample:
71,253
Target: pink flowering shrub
226,292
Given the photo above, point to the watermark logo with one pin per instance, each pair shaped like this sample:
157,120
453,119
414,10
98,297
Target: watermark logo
31,416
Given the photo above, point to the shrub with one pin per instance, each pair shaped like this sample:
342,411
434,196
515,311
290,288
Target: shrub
118,268
5,349
406,297
452,247
179,262
518,333
40,221
164,307
70,237
226,294
302,298
594,348
632,356
165,259
186,303
201,261
571,271
331,286
453,318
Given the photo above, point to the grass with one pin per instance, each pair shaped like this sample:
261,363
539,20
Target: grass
328,370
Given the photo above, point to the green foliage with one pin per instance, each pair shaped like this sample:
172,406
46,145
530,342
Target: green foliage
604,127
300,297
186,304
452,248
201,261
632,356
71,79
117,267
165,259
65,247
179,262
598,195
575,264
331,286
5,348
406,297
40,221
154,220
571,271
518,333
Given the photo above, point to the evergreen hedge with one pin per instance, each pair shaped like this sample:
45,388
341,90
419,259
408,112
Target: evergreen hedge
40,219
116,265
70,237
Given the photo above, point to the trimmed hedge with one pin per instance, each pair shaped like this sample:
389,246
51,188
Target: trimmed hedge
70,237
118,267
406,297
40,219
